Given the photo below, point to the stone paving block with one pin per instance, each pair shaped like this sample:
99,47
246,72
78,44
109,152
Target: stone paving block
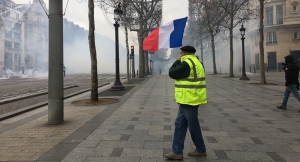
89,143
233,140
149,127
157,145
134,122
118,131
116,152
284,135
248,156
276,141
113,126
275,156
111,159
164,132
265,148
122,144
294,147
290,157
215,133
142,152
148,137
101,131
223,146
99,137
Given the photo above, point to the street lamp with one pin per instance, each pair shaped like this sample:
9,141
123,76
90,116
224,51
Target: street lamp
117,84
244,76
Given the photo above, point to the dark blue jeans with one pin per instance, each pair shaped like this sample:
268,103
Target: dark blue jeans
187,118
292,89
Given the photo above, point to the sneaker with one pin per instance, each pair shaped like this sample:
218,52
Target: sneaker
281,107
174,156
197,154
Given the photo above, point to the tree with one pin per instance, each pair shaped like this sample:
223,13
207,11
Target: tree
141,16
211,16
237,11
93,53
261,43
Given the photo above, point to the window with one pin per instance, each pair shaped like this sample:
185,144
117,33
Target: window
295,35
17,26
294,8
271,38
40,37
8,44
17,45
8,34
269,16
279,14
17,16
17,35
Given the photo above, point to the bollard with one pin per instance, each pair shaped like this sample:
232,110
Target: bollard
250,68
137,73
159,71
254,70
267,68
240,69
220,69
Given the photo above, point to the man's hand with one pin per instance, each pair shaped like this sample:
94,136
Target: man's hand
286,87
179,57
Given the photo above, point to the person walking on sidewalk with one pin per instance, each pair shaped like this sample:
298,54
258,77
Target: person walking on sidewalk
291,81
190,92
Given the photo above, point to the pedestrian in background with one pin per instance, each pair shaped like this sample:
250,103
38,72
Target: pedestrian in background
23,70
291,71
64,71
190,92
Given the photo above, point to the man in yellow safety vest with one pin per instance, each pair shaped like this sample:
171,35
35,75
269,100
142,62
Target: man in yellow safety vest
190,92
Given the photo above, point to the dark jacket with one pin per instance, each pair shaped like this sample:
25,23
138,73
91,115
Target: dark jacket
179,70
291,74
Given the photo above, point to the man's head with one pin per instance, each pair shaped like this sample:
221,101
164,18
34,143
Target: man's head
188,49
289,59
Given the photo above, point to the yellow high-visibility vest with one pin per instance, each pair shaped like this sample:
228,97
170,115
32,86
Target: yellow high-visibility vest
191,90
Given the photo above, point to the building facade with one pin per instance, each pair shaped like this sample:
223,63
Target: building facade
11,36
281,33
24,37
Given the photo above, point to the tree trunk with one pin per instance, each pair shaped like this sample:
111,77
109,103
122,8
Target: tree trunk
141,55
201,44
261,44
146,63
127,47
213,52
231,45
93,53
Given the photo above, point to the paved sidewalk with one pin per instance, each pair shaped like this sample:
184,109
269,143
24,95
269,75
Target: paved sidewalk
240,123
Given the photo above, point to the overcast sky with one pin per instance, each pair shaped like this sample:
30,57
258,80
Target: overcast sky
77,12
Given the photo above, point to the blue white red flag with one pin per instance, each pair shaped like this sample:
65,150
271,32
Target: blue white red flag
166,36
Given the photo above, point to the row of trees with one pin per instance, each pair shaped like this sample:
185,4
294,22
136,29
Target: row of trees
216,19
141,16
208,19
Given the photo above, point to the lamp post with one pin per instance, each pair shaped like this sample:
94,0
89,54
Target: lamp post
244,76
117,84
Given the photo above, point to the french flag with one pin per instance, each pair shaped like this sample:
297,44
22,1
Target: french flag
166,36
